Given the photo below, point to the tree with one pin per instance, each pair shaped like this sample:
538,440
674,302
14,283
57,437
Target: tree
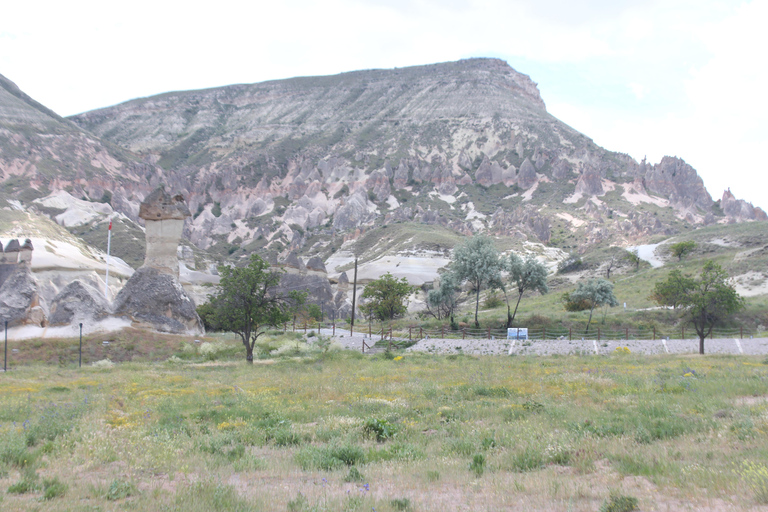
597,292
386,297
673,290
477,261
524,275
681,249
709,300
248,301
442,302
634,258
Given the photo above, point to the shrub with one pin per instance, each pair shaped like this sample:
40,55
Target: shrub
755,475
354,475
477,466
492,301
401,504
53,488
619,503
379,429
120,489
527,460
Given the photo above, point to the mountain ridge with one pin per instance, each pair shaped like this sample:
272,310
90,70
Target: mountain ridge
301,163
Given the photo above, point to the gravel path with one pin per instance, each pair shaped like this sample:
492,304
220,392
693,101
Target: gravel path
757,346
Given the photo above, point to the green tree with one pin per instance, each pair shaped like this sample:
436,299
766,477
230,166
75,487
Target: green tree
477,261
596,292
524,276
673,290
681,249
442,302
386,297
248,301
634,258
710,300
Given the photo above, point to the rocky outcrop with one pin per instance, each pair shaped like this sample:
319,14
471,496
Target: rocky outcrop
678,181
353,213
19,300
740,210
590,183
526,178
78,302
524,220
153,299
315,264
378,184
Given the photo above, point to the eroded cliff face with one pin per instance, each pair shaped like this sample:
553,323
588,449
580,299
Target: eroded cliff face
292,165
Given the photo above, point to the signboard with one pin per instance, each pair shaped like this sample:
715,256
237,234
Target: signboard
517,333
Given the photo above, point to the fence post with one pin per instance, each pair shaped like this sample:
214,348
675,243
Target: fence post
305,327
626,333
598,334
463,332
294,323
442,331
390,333
544,333
334,327
5,360
421,333
489,333
285,327
410,328
79,350
654,333
569,333
742,332
683,332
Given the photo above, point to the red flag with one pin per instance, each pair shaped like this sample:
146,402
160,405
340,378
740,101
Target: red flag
110,224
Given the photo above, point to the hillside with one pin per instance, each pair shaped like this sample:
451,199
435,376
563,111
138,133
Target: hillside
301,164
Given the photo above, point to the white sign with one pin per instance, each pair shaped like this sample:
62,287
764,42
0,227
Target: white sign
517,333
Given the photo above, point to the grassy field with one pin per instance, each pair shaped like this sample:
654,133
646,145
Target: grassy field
305,429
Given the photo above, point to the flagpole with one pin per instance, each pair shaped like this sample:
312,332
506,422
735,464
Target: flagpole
109,243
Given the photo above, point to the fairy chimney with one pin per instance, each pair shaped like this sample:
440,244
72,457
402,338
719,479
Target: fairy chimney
163,216
25,252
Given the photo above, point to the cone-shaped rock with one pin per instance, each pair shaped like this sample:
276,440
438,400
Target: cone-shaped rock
156,300
78,302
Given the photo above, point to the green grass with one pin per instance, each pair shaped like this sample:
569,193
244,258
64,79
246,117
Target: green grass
338,431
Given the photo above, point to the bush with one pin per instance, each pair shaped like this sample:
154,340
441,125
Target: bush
379,429
477,466
492,301
619,503
120,489
570,264
53,488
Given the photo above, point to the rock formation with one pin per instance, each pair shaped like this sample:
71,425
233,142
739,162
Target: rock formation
740,210
78,302
154,299
19,300
164,216
153,296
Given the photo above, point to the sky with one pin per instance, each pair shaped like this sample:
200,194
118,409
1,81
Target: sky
644,77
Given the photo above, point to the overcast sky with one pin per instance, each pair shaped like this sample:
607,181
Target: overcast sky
644,77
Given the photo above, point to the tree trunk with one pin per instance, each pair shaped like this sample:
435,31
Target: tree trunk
477,305
590,318
701,344
509,324
249,355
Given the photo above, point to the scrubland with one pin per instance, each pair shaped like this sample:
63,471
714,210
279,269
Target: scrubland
308,428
